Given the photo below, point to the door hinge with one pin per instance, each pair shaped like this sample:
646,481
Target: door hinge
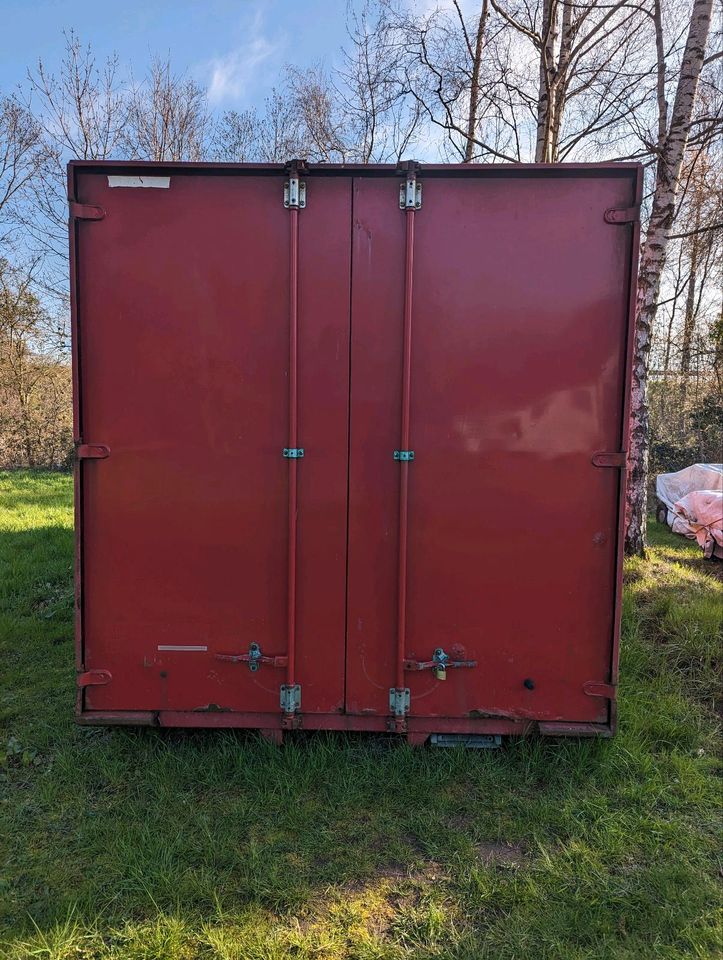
294,453
599,688
404,454
622,215
619,459
85,211
94,678
290,698
91,451
254,658
294,194
399,701
410,194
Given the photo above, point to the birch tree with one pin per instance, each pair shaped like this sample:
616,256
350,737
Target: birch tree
673,132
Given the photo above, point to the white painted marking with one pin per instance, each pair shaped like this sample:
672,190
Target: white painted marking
185,647
162,183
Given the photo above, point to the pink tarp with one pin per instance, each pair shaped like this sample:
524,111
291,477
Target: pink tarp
694,498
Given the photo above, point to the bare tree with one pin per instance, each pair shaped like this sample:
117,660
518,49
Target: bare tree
322,125
81,113
281,133
673,133
381,117
234,138
591,58
452,67
167,117
20,158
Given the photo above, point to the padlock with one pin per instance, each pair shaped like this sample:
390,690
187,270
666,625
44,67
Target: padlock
440,673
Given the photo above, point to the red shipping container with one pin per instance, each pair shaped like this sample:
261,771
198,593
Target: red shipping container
351,444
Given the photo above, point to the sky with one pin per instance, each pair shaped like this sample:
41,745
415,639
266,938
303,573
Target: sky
235,48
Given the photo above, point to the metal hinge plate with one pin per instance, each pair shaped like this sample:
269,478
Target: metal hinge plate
92,451
94,678
623,215
294,453
85,211
294,194
290,698
619,459
598,688
404,454
399,701
410,195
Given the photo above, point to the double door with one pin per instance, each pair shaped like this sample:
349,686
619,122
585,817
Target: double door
339,459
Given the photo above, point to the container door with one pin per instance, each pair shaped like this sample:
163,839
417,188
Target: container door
518,343
183,342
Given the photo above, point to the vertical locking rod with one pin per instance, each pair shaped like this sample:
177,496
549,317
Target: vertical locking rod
293,434
405,464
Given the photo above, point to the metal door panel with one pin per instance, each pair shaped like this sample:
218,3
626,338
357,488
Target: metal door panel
520,299
183,359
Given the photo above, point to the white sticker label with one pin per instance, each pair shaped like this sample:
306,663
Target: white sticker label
162,183
185,647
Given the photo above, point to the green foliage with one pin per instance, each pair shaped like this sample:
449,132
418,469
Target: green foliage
123,844
36,411
686,423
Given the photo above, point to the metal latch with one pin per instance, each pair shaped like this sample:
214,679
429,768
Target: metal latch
410,194
399,701
294,453
290,698
94,678
440,663
404,454
254,658
294,194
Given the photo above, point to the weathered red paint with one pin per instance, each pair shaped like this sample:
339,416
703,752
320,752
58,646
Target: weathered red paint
212,328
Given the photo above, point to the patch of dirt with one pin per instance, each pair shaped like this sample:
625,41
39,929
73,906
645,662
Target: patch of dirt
462,822
503,854
414,842
426,871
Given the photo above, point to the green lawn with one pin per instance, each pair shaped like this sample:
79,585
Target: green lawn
158,844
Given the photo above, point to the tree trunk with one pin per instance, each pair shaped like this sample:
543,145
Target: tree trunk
561,80
690,306
546,95
652,262
474,85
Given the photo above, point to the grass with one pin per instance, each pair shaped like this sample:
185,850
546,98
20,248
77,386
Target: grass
151,845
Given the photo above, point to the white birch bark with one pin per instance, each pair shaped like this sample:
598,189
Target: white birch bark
652,261
546,95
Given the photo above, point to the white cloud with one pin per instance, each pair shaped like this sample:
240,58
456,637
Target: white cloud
234,72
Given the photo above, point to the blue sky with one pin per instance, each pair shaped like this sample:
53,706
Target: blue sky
234,47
